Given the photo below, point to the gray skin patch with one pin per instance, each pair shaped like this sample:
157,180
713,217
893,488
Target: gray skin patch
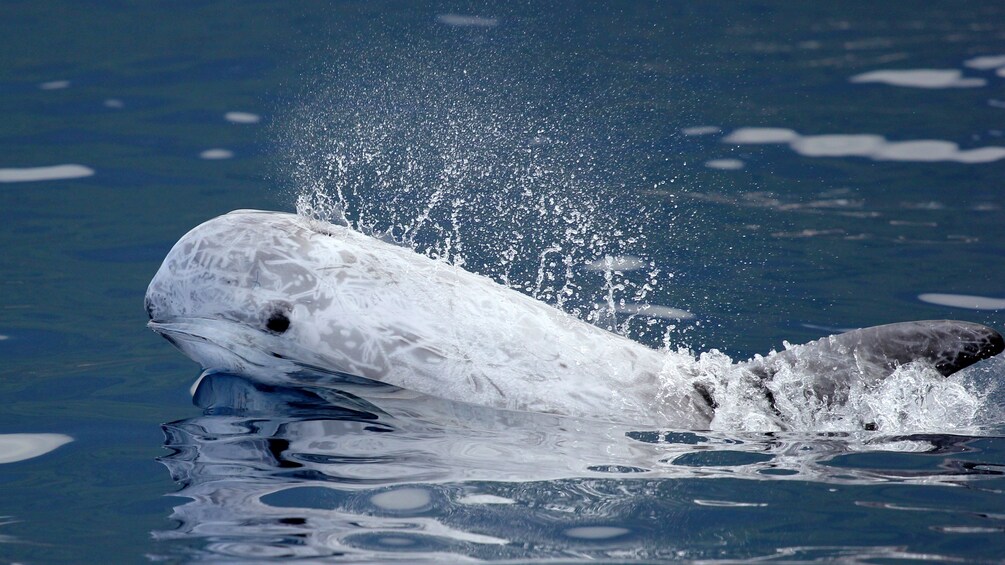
264,294
871,354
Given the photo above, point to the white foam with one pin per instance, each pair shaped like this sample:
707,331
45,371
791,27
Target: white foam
970,301
216,154
54,85
920,78
986,62
242,118
761,135
4,337
114,103
915,397
55,172
459,20
654,311
616,263
701,130
19,447
725,164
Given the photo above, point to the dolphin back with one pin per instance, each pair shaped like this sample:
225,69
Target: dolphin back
869,355
949,345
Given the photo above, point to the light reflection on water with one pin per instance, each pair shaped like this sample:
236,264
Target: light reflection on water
36,174
921,78
290,473
19,447
873,146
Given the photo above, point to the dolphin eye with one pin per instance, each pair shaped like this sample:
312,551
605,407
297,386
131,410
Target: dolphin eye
278,322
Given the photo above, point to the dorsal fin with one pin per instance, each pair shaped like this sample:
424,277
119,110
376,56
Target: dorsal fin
871,354
949,345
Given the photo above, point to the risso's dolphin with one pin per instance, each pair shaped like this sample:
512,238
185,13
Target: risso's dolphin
268,294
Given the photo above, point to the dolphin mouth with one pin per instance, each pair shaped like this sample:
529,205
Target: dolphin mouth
170,329
181,332
223,346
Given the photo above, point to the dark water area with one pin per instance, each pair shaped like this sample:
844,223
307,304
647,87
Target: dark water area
798,170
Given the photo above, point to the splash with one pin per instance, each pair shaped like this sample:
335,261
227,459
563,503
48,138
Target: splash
488,189
485,162
511,181
914,398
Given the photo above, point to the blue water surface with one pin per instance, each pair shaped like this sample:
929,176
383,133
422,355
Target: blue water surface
799,169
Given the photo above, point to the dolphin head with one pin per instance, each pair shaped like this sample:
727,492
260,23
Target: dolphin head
236,292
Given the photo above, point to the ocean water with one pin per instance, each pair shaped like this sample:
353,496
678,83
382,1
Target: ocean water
725,176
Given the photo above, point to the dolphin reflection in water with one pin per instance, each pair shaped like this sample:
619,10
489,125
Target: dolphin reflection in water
317,471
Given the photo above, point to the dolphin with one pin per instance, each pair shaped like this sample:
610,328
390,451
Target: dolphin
268,294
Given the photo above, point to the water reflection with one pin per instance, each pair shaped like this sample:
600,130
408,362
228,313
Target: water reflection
844,203
216,154
55,172
460,20
875,147
54,85
372,473
986,62
20,447
921,78
969,301
701,130
242,118
725,164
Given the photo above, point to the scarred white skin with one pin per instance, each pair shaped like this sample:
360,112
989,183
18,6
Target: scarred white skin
268,294
376,310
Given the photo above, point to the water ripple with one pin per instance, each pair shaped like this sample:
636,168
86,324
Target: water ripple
425,479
